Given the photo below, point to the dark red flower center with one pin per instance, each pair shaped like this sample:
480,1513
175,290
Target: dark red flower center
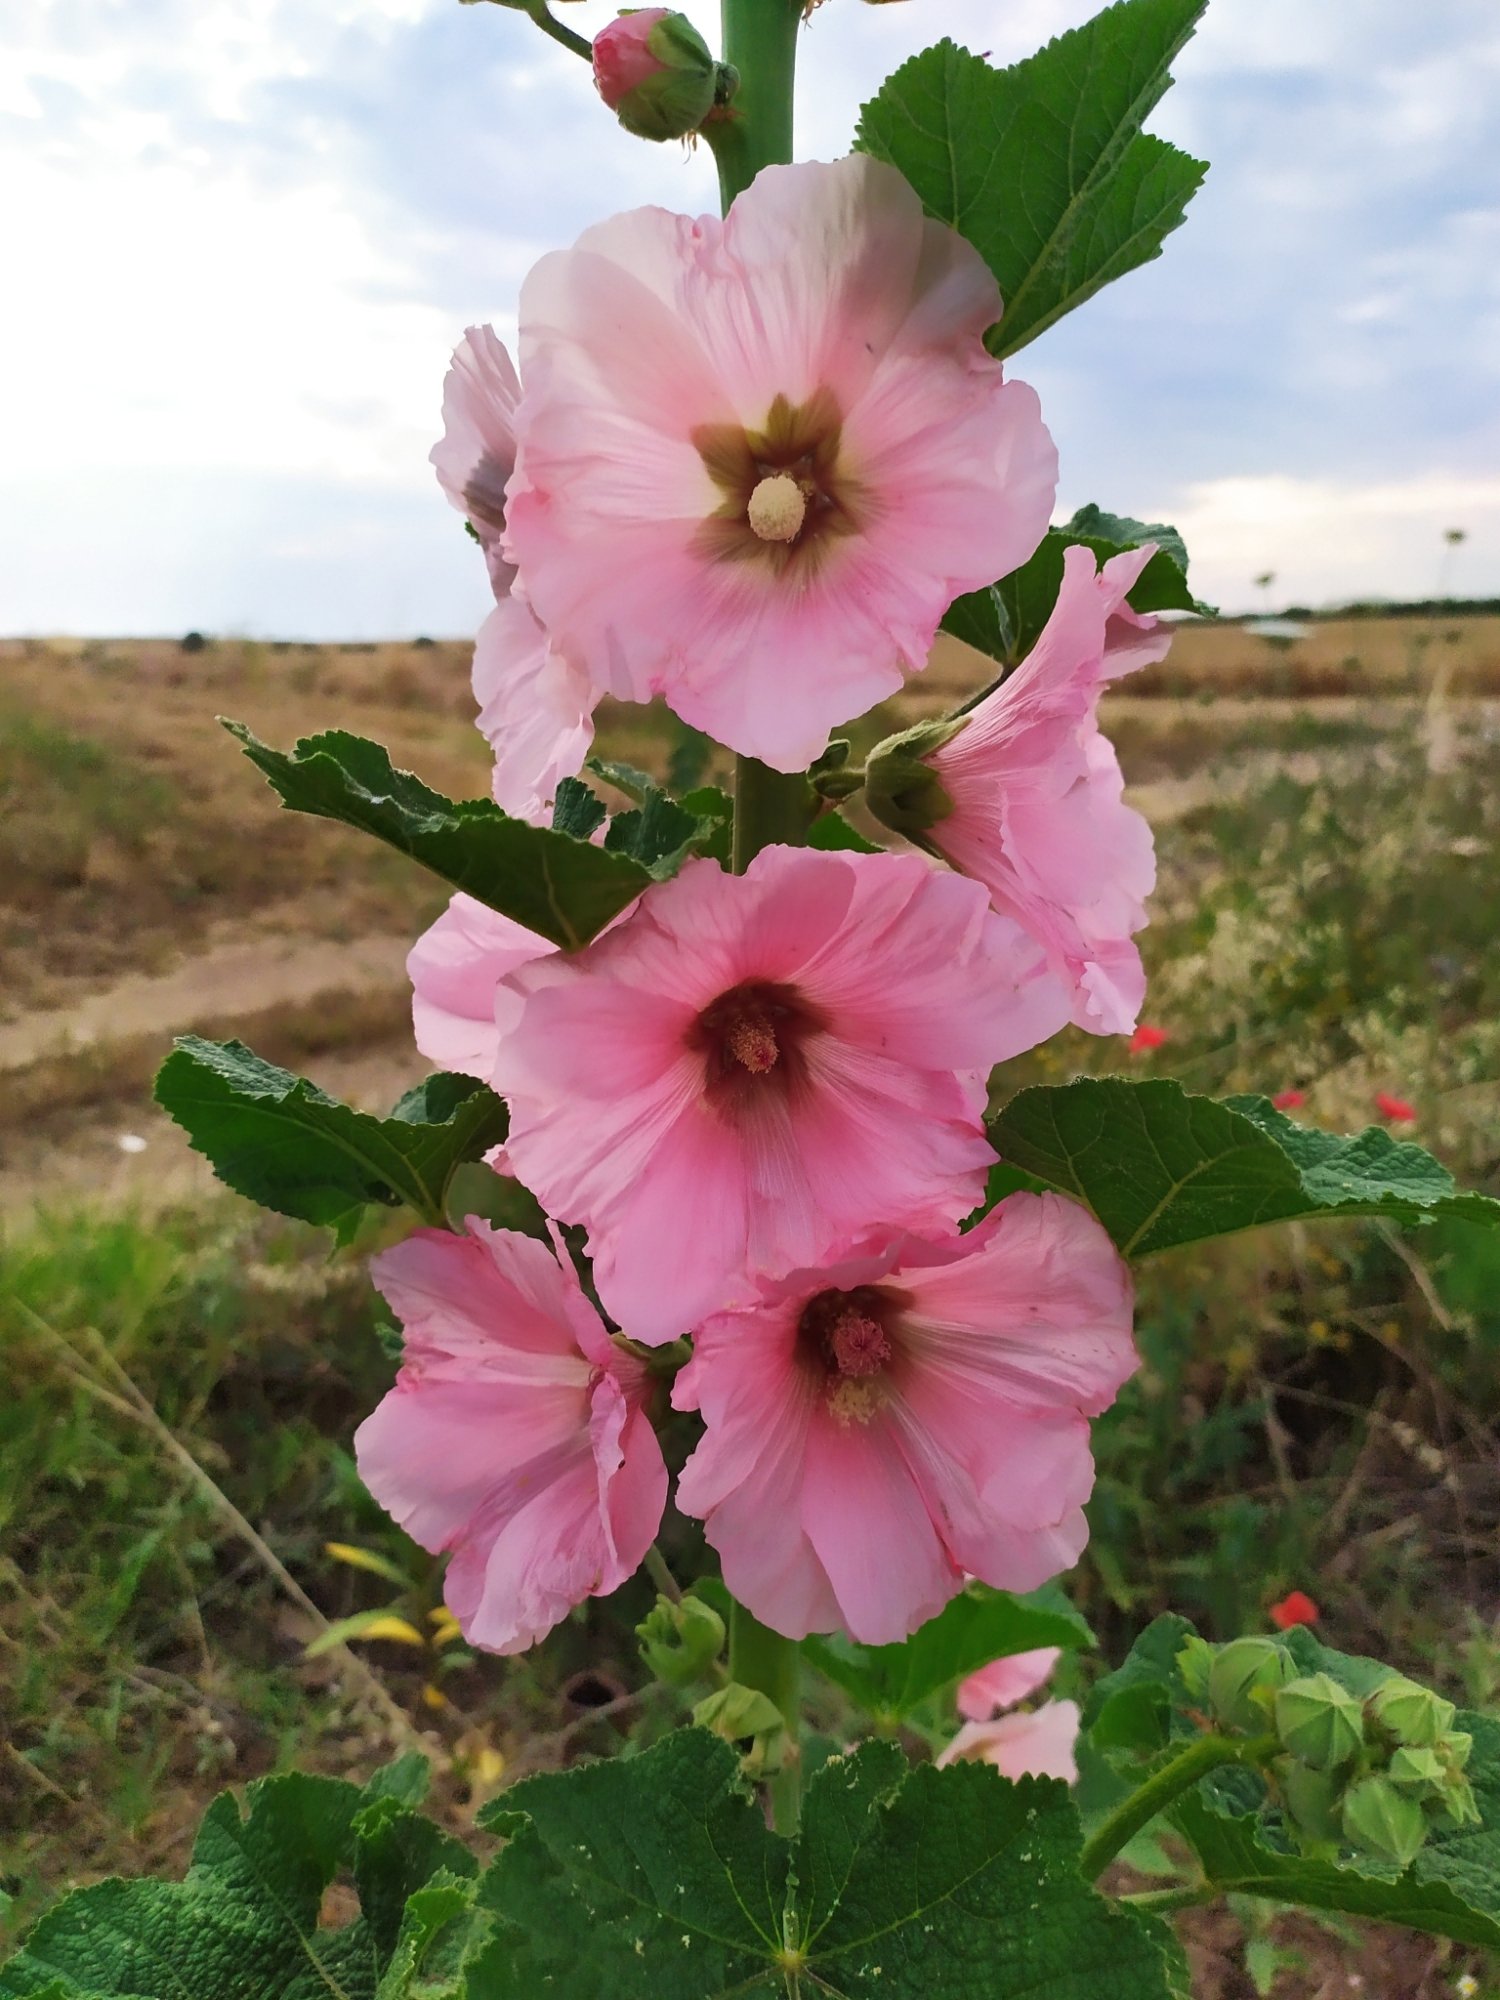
849,1340
752,1039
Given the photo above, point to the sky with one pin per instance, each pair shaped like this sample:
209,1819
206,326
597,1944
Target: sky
240,238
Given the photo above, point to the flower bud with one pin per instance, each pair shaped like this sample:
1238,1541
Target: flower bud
1242,1680
737,1712
1319,1722
901,789
1419,1773
680,1642
1407,1713
1311,1800
1457,1806
655,72
1377,1818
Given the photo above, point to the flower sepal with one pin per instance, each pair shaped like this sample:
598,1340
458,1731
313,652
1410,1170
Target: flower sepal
901,788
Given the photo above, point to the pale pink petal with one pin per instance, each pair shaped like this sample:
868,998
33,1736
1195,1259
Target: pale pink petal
535,712
825,282
1041,1744
515,1435
1005,1682
454,968
1038,809
476,454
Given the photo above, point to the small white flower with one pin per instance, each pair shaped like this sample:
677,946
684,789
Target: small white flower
131,1142
1466,1986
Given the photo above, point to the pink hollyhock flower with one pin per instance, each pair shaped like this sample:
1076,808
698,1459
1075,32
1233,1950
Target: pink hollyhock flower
1025,794
878,1428
516,1435
1394,1110
535,710
750,1072
759,458
454,968
1289,1100
623,56
1145,1039
1005,1682
1042,1743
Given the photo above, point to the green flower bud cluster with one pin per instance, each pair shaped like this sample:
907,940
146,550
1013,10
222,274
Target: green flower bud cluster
1377,1775
680,1642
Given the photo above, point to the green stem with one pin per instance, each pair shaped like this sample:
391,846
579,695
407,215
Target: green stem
762,1659
1158,1792
661,1576
550,25
1162,1902
760,40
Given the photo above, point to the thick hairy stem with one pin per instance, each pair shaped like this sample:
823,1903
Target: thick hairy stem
1158,1792
763,1660
760,40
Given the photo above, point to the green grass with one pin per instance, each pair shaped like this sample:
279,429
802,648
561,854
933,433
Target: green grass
61,792
1315,1410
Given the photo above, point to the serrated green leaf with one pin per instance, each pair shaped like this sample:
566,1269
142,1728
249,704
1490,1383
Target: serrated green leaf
1044,166
1006,618
564,889
576,809
656,1878
244,1922
980,1625
281,1141
1160,1168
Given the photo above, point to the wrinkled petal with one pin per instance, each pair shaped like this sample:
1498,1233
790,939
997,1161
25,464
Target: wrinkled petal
515,1435
535,712
454,968
1005,1682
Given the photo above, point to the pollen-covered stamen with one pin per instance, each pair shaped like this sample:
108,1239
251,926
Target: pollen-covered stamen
859,1345
777,508
751,1039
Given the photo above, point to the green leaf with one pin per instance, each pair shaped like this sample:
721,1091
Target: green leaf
1160,1168
980,1625
1044,166
1006,619
576,809
562,888
279,1140
244,1923
655,1878
833,834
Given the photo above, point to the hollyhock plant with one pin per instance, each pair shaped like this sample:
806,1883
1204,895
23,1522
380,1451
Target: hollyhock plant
516,1435
880,1427
749,1072
759,458
1024,792
1038,1743
535,710
654,71
1004,1682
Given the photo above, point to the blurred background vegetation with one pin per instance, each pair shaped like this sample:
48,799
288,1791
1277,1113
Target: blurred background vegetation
1316,1409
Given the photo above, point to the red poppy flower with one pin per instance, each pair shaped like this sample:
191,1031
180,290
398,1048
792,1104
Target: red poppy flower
1147,1038
1395,1110
1296,1608
1289,1100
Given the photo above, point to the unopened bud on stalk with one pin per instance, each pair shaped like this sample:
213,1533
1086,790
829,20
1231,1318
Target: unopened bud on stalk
1319,1722
1311,1800
680,1642
1404,1712
902,790
737,1712
1379,1819
656,73
1244,1678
